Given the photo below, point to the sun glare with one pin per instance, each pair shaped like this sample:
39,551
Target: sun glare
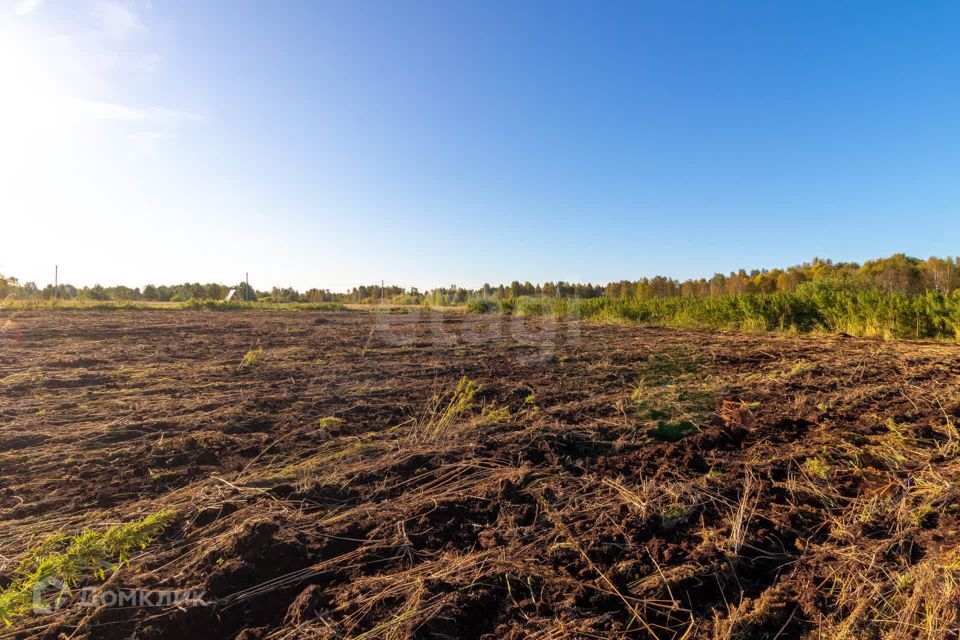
33,111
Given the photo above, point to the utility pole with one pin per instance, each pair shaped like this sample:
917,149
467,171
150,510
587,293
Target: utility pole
246,289
382,294
56,284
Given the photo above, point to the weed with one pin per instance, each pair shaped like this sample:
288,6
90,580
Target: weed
443,412
329,421
462,398
671,431
801,367
493,414
714,475
74,560
816,468
672,514
252,358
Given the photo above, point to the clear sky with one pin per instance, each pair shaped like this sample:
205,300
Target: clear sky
330,144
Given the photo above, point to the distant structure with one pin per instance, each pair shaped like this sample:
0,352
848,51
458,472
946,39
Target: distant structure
230,295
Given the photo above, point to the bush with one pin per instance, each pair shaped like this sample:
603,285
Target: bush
481,306
507,306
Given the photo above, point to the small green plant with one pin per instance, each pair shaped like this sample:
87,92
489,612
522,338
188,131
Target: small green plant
329,421
801,367
252,358
443,412
714,474
78,559
493,414
921,514
816,468
673,514
462,398
671,431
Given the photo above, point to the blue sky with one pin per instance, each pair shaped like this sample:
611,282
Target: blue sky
427,143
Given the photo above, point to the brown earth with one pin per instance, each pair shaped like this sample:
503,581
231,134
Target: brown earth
602,482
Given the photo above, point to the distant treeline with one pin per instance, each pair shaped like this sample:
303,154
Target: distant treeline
898,296
898,274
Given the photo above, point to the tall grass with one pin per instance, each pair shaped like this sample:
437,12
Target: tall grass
828,309
37,304
237,305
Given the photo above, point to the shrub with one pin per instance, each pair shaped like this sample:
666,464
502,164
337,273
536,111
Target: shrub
481,306
507,305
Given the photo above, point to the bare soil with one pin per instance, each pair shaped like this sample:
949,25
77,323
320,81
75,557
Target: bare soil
604,481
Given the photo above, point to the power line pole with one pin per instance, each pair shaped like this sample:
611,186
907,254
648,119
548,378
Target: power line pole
246,289
56,283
